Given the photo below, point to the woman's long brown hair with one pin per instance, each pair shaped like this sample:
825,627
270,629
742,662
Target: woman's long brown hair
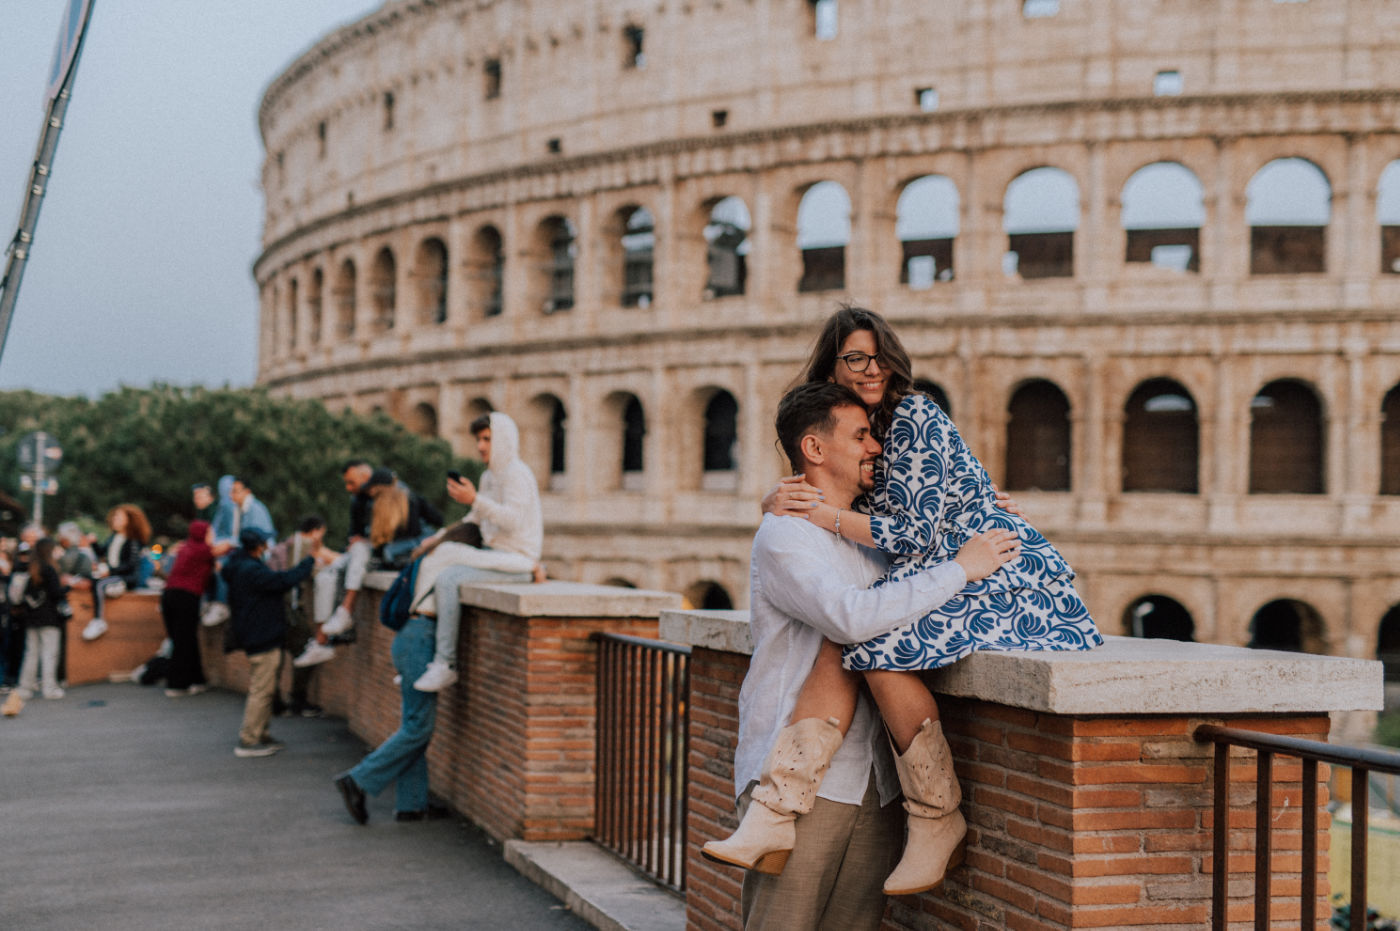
821,366
137,527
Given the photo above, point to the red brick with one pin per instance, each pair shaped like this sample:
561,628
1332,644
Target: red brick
1130,727
1110,773
1140,819
1129,866
1116,894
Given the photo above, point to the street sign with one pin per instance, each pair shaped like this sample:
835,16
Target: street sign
27,483
69,32
36,446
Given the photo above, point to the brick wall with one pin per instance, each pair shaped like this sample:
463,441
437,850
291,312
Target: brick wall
1073,821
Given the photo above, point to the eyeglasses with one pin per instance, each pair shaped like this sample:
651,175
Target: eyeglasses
858,362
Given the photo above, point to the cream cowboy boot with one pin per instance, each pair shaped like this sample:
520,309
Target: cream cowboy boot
937,830
787,788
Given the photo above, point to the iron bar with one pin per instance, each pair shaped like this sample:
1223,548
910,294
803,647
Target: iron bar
1309,913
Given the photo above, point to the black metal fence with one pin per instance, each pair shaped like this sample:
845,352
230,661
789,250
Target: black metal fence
643,723
1361,762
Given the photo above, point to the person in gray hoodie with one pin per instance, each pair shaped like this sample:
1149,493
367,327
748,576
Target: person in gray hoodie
507,510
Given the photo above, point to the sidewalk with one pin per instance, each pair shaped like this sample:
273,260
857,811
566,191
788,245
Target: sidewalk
123,809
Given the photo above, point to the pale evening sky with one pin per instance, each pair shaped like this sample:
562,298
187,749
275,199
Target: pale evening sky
140,269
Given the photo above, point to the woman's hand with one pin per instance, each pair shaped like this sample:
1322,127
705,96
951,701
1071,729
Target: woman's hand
1007,503
792,497
988,552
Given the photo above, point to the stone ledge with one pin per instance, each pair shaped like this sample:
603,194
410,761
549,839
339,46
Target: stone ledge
597,886
555,598
1125,676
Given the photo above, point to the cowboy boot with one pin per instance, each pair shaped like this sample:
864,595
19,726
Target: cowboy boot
937,831
787,788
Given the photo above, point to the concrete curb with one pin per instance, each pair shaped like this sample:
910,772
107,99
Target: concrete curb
597,886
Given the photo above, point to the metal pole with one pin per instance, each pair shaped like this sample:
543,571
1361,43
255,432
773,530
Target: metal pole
41,442
17,251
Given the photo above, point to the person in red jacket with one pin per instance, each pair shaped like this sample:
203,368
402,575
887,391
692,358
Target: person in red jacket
179,607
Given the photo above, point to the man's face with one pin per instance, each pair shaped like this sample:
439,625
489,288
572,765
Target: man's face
203,497
239,492
355,478
851,451
483,445
316,536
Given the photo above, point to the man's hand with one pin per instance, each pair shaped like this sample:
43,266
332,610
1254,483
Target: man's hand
463,492
792,497
988,552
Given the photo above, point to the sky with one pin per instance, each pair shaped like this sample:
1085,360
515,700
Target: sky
140,267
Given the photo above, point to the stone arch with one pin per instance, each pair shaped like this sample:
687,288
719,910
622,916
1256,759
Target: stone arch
619,443
423,420
719,440
486,272
1388,217
619,582
823,233
936,393
344,296
1288,205
727,247
1159,617
1287,440
927,224
1161,439
293,297
631,256
383,288
554,254
1038,438
543,438
1163,212
708,595
430,277
315,301
1390,442
1040,214
1388,643
1288,624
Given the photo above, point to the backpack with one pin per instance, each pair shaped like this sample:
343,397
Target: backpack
397,605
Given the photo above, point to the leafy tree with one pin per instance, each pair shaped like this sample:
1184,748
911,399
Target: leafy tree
149,445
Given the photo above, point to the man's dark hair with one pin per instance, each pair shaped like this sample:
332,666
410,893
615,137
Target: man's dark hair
481,423
251,540
808,408
310,524
198,485
353,463
240,480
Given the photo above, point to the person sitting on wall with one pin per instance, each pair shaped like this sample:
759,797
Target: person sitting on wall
119,562
830,798
258,627
507,510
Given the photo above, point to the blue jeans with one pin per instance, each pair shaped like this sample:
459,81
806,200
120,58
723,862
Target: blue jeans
401,759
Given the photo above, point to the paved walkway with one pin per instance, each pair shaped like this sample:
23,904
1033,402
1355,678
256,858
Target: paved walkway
122,809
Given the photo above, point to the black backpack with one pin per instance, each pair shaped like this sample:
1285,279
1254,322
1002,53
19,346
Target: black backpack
397,605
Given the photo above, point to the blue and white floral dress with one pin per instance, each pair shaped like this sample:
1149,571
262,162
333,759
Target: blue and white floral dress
931,496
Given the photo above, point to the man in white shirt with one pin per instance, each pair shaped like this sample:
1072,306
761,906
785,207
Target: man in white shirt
808,584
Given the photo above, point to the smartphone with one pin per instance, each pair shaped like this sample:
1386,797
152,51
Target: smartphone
454,475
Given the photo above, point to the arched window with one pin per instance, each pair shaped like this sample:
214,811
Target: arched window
1163,212
1390,443
1038,438
561,246
721,442
1157,617
314,302
383,285
1388,644
1289,625
1388,216
823,232
344,295
431,275
926,222
557,419
487,270
1161,439
423,420
936,393
1040,215
292,295
1286,440
727,248
638,248
708,596
634,431
619,582
1288,206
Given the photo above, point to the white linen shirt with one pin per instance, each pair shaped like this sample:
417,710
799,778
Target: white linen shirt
805,584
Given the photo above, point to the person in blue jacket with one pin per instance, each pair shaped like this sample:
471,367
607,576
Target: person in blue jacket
258,627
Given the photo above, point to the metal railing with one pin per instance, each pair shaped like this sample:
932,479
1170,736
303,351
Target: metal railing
1311,752
643,740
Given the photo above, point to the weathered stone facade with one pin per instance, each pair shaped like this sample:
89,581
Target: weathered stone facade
451,227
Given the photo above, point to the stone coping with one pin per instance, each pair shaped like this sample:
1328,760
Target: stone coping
554,598
1125,676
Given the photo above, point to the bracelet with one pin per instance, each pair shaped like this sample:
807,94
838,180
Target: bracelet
838,521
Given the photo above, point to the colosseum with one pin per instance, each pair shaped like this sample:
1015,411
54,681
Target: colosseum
1145,252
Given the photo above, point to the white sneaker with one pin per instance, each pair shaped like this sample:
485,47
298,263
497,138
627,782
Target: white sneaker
438,677
54,693
215,613
94,629
398,680
314,654
338,623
